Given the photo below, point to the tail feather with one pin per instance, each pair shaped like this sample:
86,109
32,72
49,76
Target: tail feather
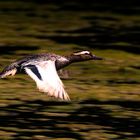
12,72
9,70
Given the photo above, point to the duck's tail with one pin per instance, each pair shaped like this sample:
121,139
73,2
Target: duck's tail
9,70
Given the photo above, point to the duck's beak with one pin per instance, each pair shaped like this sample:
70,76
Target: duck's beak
96,57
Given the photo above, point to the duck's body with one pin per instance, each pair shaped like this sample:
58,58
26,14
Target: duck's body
43,69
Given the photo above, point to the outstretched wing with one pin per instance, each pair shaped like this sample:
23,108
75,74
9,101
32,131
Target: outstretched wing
46,78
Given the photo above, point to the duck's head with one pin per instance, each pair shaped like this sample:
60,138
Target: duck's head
86,55
75,57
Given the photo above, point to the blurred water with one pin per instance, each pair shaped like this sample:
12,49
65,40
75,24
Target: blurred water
105,95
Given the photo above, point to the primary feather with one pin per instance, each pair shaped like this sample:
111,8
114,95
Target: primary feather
47,79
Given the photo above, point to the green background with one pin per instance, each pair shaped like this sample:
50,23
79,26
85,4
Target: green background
105,94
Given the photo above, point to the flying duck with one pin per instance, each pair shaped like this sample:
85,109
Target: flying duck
42,68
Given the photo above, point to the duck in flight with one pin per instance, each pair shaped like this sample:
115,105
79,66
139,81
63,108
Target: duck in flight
42,68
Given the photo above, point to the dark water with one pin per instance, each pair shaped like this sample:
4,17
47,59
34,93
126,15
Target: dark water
105,95
108,24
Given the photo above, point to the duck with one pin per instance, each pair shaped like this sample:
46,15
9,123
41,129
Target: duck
43,69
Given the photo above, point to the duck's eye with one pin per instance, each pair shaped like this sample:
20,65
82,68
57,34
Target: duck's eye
87,53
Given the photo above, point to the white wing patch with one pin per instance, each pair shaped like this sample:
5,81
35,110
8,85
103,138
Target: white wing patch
50,81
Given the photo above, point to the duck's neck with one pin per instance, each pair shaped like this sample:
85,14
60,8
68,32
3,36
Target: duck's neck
62,62
70,59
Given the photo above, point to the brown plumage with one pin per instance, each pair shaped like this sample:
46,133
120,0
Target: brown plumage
42,68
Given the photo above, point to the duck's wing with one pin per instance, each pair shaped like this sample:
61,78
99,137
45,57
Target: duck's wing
46,78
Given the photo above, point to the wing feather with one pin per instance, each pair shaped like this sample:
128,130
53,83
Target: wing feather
49,82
